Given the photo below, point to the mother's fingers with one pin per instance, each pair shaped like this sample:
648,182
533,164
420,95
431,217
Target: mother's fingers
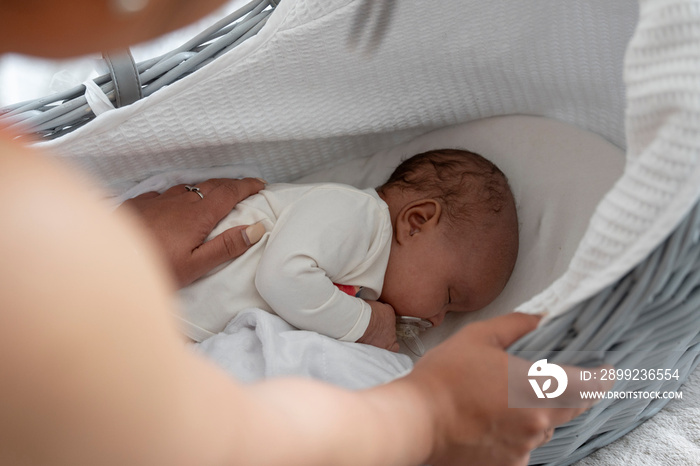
560,391
547,435
503,331
176,190
148,195
580,394
238,188
180,220
226,246
221,195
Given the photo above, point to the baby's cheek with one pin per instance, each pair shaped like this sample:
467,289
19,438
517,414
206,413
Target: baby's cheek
418,305
403,306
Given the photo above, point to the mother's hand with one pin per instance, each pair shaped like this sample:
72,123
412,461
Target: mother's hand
469,379
180,220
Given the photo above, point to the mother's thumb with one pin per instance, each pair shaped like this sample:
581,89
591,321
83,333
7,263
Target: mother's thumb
506,330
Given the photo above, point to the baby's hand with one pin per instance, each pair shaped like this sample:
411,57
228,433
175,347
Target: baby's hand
381,331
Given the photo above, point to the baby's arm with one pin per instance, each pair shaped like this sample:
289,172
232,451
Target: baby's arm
381,331
325,235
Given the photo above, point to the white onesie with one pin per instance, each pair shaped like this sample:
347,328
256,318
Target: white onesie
317,236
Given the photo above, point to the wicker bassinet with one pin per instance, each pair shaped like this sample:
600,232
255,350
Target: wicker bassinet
325,81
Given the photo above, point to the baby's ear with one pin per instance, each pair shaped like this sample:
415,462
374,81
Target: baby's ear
416,217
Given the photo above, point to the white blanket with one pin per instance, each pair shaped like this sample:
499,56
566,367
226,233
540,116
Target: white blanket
258,345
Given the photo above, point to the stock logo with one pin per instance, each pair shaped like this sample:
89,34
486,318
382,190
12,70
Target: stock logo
541,369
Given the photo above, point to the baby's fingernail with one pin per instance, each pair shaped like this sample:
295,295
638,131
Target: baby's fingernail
261,180
253,233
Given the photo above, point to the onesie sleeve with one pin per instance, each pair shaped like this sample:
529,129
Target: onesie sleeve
327,234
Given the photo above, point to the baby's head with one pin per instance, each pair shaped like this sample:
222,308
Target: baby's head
455,238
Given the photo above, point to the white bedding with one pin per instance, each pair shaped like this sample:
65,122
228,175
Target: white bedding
258,345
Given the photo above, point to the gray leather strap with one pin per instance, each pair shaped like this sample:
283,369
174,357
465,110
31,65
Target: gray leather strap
125,75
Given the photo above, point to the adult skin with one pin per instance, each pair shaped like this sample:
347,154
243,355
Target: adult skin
95,372
180,221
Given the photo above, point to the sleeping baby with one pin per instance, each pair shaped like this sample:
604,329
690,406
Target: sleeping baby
441,235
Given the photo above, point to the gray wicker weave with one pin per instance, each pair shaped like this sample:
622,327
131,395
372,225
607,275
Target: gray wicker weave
62,113
647,319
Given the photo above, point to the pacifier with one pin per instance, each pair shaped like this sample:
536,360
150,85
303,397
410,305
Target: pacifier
408,329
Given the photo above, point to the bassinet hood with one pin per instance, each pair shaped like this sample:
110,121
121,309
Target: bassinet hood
330,80
327,80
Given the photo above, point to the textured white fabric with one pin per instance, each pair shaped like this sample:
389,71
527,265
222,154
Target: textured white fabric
661,182
327,80
330,80
257,345
316,235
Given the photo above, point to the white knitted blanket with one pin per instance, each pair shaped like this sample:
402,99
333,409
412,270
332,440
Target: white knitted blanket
327,80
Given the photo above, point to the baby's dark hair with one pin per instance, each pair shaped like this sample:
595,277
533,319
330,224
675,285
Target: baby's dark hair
465,183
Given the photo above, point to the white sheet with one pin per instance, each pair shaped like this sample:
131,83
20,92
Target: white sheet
258,345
